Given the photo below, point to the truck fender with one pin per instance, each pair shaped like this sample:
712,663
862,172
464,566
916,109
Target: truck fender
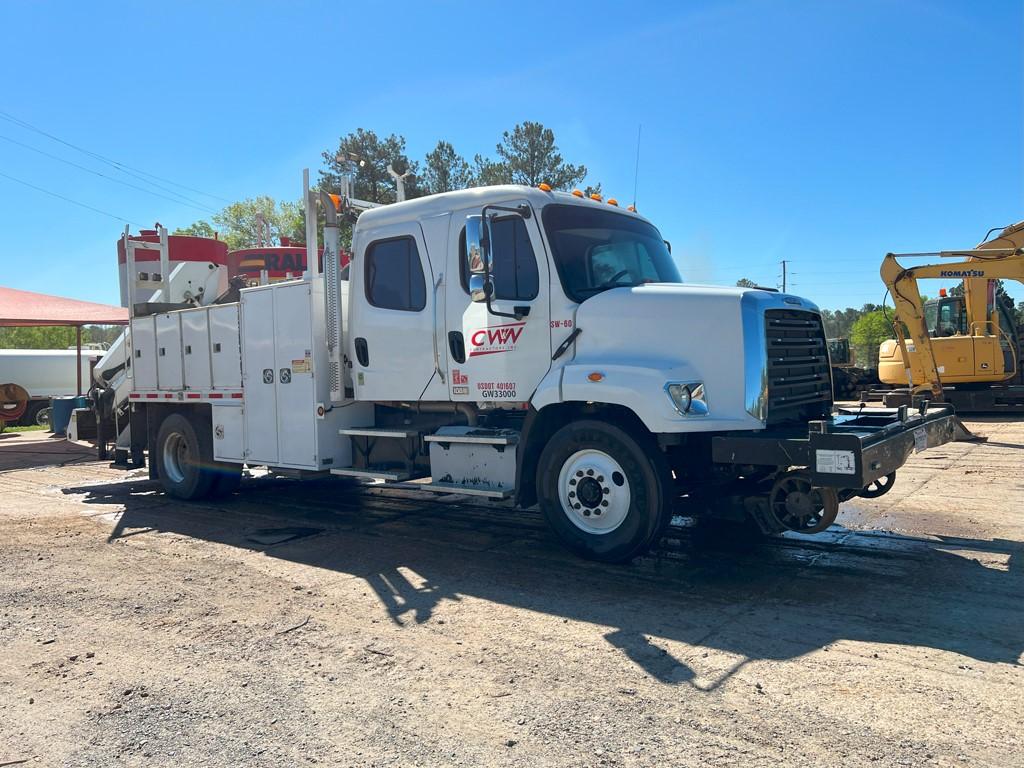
638,387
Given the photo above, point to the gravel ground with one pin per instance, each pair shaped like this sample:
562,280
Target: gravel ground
319,624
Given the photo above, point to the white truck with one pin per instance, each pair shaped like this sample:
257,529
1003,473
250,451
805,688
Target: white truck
515,344
45,374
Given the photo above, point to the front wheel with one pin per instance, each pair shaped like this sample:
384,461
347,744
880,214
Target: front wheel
605,493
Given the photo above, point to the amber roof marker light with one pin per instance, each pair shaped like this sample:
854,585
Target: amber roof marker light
577,193
544,187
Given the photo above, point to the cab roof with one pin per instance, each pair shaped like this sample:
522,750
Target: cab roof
476,197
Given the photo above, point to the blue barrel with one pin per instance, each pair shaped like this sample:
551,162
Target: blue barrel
62,407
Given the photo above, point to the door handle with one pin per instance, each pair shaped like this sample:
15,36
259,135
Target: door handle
362,352
457,344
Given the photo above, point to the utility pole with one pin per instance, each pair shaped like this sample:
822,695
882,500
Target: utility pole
784,263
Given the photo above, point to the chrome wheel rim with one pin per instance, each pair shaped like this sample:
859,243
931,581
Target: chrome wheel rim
177,456
594,491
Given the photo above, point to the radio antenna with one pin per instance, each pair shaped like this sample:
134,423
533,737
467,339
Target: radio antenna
636,164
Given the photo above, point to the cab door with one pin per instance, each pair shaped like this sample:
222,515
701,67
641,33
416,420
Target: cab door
492,358
391,337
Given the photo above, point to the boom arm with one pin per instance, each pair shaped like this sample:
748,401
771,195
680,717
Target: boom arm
1002,257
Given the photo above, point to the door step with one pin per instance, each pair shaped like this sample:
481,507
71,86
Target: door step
395,434
468,490
384,453
474,436
388,475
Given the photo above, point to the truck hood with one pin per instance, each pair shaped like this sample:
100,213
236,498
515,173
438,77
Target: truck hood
661,332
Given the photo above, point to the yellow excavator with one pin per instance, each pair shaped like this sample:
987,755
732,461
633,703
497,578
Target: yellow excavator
965,349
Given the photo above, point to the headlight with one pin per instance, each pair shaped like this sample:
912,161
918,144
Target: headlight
688,398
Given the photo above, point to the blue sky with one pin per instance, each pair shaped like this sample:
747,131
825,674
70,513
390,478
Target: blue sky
826,133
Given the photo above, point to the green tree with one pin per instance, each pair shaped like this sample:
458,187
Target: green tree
365,157
870,330
744,282
249,222
445,170
201,228
487,172
528,155
56,336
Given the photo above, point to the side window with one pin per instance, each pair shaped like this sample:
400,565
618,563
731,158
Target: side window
513,263
394,277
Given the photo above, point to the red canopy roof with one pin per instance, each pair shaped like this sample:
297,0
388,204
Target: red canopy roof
24,308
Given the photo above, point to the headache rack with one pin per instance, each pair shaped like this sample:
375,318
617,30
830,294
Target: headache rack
799,377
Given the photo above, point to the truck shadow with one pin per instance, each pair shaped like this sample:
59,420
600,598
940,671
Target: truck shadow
777,600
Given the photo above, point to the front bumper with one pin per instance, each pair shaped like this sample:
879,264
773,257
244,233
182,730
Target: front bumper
851,450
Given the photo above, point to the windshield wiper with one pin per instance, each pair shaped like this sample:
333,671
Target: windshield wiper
612,282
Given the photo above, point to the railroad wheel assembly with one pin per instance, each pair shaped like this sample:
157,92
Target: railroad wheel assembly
798,506
879,487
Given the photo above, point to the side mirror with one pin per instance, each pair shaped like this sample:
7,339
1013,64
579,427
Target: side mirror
476,245
479,288
478,256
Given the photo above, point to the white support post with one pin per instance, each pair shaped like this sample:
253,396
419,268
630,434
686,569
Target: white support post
132,276
312,263
165,264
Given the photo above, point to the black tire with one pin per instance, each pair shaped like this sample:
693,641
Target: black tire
646,483
31,415
227,478
183,456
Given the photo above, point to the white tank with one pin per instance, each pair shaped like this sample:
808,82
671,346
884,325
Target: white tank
46,373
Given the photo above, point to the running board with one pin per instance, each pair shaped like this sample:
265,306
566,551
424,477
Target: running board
473,436
388,475
396,434
468,490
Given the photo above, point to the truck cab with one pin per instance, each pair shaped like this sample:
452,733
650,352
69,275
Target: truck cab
526,346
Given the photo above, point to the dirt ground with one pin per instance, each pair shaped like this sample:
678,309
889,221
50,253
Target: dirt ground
324,624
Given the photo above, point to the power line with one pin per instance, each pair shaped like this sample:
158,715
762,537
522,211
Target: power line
116,164
184,201
69,200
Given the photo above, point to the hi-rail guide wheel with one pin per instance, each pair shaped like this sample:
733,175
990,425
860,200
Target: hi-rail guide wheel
879,487
798,506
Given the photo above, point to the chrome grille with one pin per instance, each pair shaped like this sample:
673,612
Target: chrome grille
799,379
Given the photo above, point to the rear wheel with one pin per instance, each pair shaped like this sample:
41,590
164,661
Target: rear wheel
183,458
37,414
604,492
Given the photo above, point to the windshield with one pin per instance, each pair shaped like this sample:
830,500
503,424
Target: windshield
945,317
596,249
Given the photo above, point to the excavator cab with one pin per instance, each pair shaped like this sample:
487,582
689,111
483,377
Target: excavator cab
946,316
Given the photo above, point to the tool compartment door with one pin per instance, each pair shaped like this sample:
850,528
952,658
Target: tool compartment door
225,354
143,354
195,348
296,395
259,374
168,352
